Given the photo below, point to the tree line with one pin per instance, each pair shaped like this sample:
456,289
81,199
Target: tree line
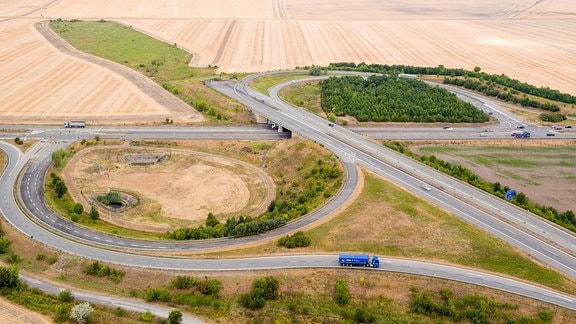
500,79
512,95
392,99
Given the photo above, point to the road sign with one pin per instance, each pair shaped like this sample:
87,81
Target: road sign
510,193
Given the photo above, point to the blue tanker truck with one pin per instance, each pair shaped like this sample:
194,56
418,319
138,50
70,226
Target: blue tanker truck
358,260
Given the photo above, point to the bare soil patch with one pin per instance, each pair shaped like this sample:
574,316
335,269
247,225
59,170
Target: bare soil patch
179,191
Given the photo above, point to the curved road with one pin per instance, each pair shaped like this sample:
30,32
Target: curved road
345,145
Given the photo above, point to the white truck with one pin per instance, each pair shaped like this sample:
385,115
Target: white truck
74,124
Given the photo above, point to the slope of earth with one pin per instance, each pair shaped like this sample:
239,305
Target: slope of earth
527,40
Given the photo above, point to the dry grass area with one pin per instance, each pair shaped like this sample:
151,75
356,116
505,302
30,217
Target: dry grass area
543,170
525,39
180,191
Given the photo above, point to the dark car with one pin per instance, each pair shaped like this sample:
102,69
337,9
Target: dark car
550,134
520,126
330,124
568,126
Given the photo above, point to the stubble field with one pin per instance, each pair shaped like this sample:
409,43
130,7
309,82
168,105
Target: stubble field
529,40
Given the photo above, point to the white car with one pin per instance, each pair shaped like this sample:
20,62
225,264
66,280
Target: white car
426,187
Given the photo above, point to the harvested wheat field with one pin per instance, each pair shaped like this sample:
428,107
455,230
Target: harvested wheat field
529,40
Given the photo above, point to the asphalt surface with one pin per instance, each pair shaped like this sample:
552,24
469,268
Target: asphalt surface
351,147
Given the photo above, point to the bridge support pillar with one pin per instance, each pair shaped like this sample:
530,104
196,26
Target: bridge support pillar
259,118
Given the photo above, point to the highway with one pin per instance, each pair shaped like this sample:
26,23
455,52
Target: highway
493,215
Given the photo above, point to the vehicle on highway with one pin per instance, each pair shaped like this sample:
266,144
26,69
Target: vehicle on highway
520,126
426,187
358,260
568,126
550,134
74,124
447,128
483,134
522,135
330,124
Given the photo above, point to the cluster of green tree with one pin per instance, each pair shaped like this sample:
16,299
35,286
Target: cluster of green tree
58,184
321,180
111,198
552,117
243,226
61,156
394,99
502,80
472,308
262,290
489,90
101,270
18,141
566,219
298,239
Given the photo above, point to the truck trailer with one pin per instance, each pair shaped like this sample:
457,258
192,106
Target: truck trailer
74,124
522,135
358,260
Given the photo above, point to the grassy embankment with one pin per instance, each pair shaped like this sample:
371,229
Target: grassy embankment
164,63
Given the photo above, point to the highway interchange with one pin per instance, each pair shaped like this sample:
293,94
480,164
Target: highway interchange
544,241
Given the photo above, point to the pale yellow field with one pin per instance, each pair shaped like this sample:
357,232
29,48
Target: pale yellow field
530,40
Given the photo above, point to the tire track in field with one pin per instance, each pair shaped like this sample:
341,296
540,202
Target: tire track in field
225,41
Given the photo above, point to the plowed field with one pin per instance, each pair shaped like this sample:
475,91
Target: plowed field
530,40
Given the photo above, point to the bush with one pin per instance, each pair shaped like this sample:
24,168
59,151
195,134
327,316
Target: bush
266,288
341,293
251,301
100,270
362,315
184,282
157,294
146,316
65,296
80,312
298,239
9,277
175,317
262,290
4,245
209,287
552,117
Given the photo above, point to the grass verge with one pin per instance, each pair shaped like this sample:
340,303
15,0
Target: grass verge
164,63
